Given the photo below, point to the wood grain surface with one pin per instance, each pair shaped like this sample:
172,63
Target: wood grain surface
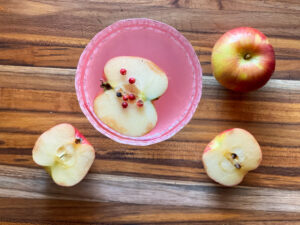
40,44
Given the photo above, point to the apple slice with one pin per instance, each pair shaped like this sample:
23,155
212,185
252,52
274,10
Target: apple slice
150,81
126,104
132,121
230,155
64,153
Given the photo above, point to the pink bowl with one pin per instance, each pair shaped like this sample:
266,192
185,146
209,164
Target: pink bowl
163,45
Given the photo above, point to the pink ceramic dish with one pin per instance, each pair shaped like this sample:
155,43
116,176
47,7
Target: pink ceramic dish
159,43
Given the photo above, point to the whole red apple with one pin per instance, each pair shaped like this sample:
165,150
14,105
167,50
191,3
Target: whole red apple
243,60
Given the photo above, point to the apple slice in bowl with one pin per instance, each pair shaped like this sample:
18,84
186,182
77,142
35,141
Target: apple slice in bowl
133,84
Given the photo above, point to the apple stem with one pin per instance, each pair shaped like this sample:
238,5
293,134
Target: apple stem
105,85
247,56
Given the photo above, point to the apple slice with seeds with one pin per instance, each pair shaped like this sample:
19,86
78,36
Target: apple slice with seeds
130,120
64,153
126,103
230,155
150,81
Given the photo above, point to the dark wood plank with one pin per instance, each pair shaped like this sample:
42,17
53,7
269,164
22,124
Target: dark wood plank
41,33
16,211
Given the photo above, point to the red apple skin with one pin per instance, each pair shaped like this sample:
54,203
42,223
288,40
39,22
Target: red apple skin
235,72
81,137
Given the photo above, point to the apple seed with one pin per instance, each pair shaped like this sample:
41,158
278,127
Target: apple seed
78,140
105,85
238,166
233,155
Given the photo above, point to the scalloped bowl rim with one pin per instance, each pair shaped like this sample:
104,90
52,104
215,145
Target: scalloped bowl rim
87,109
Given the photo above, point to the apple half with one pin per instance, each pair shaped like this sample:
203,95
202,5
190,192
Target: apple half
230,155
64,153
131,76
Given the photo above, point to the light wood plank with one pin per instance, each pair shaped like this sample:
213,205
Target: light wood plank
33,183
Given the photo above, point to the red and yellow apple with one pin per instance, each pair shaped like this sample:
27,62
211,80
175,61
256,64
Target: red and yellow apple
64,153
243,59
230,155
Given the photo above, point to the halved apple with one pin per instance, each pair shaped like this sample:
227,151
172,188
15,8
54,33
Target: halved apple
64,153
230,155
126,104
133,120
150,81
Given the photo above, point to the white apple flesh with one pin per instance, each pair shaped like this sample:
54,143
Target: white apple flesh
132,121
64,153
150,83
230,155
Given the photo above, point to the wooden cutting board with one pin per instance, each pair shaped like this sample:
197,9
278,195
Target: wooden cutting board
40,44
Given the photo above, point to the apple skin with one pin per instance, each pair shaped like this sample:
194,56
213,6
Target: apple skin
218,140
243,60
81,137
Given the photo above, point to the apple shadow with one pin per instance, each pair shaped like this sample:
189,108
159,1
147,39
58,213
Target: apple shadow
236,109
228,197
67,205
60,203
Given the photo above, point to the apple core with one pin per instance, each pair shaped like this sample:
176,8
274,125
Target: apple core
65,155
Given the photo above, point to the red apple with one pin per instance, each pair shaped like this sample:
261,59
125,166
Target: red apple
64,153
243,60
230,155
